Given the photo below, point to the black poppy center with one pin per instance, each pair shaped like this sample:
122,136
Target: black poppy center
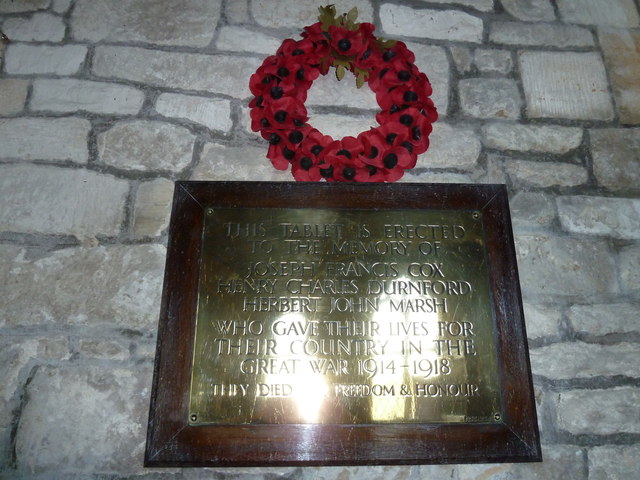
316,149
391,138
410,96
373,153
349,173
391,160
306,163
416,133
345,153
288,154
280,116
327,172
274,139
276,92
344,44
388,55
295,136
283,72
403,75
406,119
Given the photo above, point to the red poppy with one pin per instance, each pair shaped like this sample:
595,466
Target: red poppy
347,43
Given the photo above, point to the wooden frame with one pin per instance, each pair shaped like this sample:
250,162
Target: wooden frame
172,442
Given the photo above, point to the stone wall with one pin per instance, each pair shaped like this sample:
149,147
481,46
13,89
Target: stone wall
103,104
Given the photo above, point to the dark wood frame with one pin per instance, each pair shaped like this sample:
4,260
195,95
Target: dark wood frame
172,442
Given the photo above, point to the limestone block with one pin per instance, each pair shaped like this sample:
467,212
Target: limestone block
462,57
604,319
530,10
564,267
152,208
41,59
17,355
546,174
53,139
531,138
221,162
542,321
532,211
540,34
493,61
237,11
614,462
40,27
187,71
629,265
452,25
560,461
144,145
490,98
70,95
213,113
493,171
61,201
11,6
340,126
301,13
599,412
565,85
452,146
615,13
187,23
242,39
115,286
327,90
103,349
561,361
613,217
13,94
616,158
621,50
60,6
81,419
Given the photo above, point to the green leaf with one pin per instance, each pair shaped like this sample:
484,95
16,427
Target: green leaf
359,81
327,16
340,71
385,44
352,15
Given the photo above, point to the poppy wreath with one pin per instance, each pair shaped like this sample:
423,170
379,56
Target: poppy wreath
381,154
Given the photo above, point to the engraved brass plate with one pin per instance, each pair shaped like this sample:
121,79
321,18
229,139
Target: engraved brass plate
340,324
335,316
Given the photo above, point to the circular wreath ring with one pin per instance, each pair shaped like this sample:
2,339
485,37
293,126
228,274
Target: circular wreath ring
280,87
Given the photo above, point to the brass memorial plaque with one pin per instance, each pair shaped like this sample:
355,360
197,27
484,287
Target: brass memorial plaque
340,324
343,316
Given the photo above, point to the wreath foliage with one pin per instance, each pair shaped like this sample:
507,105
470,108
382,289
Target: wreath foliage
280,87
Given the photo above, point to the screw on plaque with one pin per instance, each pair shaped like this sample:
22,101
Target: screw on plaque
497,417
194,418
209,211
475,215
